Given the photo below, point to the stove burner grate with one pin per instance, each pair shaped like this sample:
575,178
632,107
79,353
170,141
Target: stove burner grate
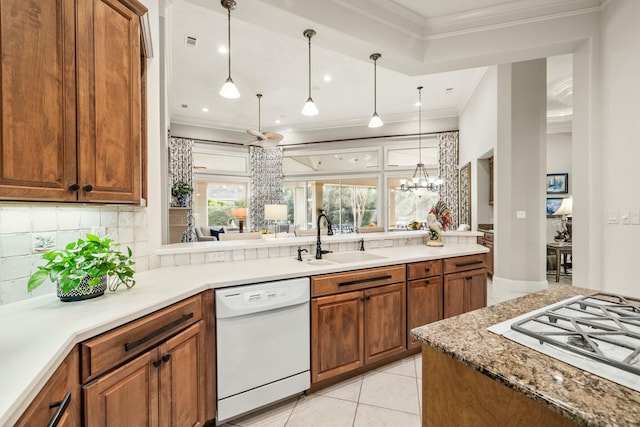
602,327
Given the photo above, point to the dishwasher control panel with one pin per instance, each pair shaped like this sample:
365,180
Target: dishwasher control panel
263,295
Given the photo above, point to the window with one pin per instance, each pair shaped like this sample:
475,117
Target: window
349,203
215,200
410,206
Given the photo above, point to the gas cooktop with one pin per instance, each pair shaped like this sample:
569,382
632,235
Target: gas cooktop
599,333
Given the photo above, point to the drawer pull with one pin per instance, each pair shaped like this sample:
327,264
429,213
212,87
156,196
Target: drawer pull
427,269
359,281
157,332
467,264
62,406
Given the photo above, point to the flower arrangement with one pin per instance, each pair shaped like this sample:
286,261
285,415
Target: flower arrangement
180,188
443,214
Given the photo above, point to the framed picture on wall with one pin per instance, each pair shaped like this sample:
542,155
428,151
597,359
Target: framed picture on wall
553,204
557,183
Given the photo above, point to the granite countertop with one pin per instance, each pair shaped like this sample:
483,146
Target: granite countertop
583,397
39,332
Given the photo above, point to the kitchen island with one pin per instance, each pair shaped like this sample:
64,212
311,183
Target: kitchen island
472,376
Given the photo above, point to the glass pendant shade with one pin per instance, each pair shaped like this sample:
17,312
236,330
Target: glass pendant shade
229,90
309,108
375,121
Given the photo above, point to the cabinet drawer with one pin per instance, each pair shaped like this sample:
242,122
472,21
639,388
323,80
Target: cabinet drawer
106,351
464,263
354,280
418,270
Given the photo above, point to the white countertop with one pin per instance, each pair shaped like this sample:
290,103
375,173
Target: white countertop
38,333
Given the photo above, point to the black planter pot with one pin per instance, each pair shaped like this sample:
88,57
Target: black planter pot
83,291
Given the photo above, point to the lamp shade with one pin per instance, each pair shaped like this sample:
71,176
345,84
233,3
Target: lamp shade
566,207
275,212
240,212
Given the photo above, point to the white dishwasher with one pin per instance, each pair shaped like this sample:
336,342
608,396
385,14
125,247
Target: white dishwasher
262,344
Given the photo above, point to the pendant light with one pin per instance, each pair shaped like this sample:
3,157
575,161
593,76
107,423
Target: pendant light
229,89
421,179
375,121
309,108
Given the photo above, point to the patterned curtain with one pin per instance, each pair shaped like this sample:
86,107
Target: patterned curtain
266,182
181,169
448,171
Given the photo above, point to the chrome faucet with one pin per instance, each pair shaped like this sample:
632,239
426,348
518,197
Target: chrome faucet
319,250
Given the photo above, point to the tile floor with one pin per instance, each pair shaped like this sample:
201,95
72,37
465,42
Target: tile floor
388,396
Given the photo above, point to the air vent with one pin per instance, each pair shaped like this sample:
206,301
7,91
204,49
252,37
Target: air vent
190,41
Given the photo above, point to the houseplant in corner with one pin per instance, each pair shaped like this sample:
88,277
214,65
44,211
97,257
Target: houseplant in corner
181,190
85,268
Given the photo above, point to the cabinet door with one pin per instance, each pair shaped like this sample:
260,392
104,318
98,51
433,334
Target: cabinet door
385,321
109,92
37,100
424,304
59,397
454,294
465,291
127,396
337,335
476,289
182,378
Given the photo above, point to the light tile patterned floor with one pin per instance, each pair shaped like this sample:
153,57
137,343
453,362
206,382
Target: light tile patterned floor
389,396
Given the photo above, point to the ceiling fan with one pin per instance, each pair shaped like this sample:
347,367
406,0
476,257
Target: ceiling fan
263,139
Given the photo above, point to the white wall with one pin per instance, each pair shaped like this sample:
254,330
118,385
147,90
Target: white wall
620,68
478,134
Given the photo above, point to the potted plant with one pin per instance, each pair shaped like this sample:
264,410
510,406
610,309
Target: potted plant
85,268
181,190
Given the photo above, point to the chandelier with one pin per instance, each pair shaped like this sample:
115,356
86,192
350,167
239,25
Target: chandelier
421,178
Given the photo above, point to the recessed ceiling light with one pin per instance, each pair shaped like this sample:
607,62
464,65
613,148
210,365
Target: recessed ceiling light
205,109
449,90
289,130
327,77
184,105
278,122
417,104
223,50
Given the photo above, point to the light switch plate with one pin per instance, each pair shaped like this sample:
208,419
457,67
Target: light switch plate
612,218
635,217
521,214
624,217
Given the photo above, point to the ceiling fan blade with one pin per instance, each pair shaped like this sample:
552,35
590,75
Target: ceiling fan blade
273,137
257,134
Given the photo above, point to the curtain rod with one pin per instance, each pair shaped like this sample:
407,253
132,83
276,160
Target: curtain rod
326,141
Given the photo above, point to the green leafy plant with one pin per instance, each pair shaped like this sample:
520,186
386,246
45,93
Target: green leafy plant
94,257
180,187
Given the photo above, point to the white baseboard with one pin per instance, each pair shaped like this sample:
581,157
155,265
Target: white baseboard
500,284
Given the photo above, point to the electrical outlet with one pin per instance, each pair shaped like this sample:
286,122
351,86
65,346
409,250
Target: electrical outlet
612,218
624,217
635,217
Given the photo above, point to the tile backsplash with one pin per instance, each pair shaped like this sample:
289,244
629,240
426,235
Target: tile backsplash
26,231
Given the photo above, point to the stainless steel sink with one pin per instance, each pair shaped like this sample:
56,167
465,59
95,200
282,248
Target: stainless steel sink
347,257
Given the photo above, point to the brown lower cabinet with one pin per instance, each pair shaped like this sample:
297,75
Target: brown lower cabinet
161,387
424,296
465,284
58,403
353,328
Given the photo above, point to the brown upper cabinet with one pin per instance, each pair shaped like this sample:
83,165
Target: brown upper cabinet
72,79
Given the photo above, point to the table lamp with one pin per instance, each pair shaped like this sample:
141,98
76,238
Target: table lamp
241,214
566,210
275,213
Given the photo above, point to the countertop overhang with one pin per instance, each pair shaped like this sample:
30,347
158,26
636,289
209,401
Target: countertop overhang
39,332
583,397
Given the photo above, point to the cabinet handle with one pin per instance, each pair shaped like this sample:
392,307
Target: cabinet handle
468,278
467,264
426,281
166,358
157,363
159,331
74,187
359,281
88,188
427,269
62,406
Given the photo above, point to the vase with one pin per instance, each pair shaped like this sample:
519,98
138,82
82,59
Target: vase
183,200
83,291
